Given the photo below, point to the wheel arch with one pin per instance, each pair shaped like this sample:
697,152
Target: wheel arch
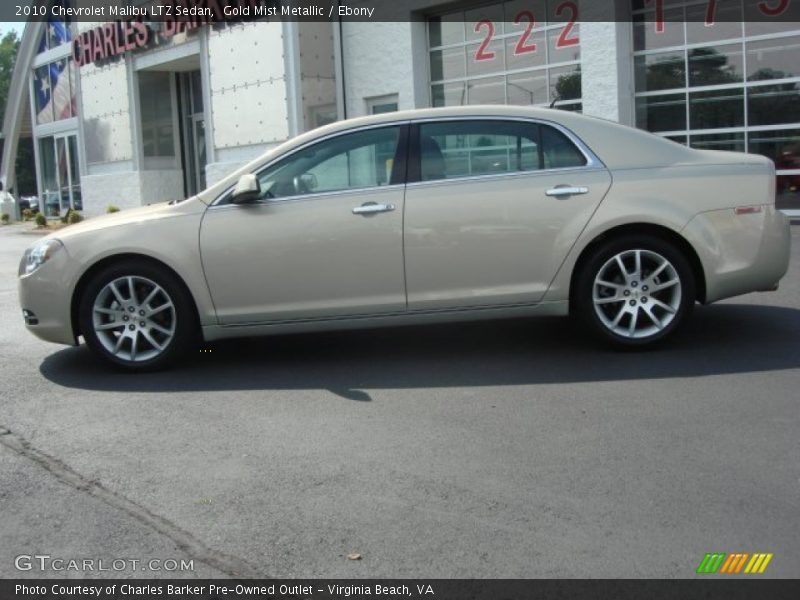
107,261
659,231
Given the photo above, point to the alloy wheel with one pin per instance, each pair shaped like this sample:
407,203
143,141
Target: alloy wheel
636,293
134,318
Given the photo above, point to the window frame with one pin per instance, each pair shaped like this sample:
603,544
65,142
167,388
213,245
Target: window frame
414,166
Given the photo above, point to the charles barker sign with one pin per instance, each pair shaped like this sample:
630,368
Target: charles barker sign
142,27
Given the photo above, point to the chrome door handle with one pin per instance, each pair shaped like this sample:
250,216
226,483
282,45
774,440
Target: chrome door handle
369,208
566,190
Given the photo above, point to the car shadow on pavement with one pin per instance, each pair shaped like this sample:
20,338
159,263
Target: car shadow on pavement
720,339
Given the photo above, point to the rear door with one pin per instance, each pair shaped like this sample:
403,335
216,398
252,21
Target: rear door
492,207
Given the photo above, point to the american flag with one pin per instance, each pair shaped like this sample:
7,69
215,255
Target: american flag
51,82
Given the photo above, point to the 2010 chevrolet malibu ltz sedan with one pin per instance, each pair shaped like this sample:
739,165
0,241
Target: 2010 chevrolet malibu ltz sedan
420,216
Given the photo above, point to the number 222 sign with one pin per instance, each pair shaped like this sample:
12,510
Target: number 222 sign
524,45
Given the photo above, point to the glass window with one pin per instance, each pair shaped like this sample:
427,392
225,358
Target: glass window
352,161
782,146
740,79
714,109
774,104
558,152
467,148
719,141
661,113
500,53
773,59
51,196
382,104
715,65
155,96
57,33
489,90
660,71
42,95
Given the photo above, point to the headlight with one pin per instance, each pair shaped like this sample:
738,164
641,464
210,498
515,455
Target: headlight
38,255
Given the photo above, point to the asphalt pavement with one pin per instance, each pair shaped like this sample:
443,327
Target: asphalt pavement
506,449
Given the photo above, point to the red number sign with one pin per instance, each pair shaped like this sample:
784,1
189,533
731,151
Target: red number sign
524,44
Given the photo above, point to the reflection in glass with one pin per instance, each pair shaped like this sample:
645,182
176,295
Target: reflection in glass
466,148
75,172
715,66
449,94
718,108
661,113
527,88
787,192
447,64
490,90
782,146
42,95
773,59
49,177
155,96
565,83
773,104
733,142
446,30
660,71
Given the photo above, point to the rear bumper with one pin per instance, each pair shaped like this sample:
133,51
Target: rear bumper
740,253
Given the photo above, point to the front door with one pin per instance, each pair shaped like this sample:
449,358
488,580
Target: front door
492,208
324,239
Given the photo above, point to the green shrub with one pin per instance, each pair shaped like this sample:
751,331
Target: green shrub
41,220
74,217
5,218
27,214
112,209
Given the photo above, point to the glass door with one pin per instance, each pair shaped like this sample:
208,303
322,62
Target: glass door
60,174
193,124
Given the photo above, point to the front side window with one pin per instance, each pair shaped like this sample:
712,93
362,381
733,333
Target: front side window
471,148
363,159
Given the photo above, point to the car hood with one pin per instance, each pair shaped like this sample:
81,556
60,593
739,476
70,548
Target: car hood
130,218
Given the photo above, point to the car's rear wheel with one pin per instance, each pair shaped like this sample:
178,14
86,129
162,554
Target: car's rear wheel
635,290
136,316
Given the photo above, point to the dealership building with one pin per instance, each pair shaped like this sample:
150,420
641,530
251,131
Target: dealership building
126,113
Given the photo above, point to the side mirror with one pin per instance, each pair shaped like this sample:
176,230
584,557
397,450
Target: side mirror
247,189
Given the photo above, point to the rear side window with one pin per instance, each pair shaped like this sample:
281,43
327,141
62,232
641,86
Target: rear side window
453,149
558,151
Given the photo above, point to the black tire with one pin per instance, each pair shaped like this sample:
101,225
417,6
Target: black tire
162,349
609,314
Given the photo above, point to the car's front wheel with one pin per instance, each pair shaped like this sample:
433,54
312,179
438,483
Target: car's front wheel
635,290
137,316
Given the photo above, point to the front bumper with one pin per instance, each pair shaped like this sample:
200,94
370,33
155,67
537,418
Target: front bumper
44,297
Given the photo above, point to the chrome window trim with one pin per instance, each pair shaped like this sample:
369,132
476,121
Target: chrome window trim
593,162
305,197
511,175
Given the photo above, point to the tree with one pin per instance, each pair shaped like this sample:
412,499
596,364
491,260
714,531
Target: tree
9,46
26,177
